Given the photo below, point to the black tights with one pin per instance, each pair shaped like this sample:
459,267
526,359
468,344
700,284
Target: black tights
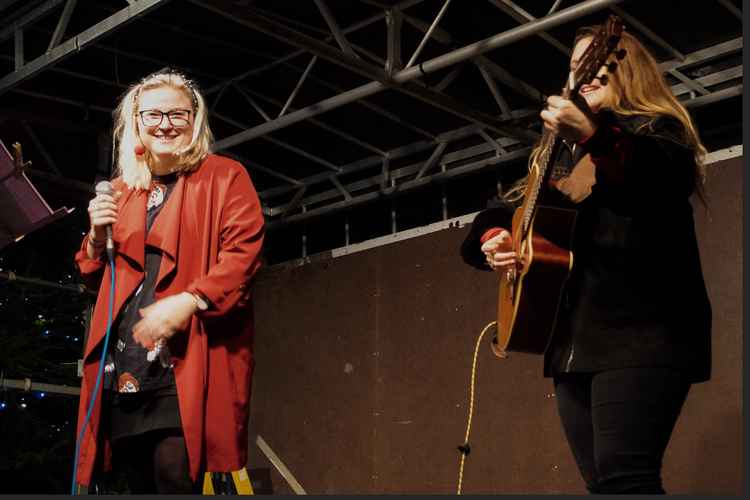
618,424
155,462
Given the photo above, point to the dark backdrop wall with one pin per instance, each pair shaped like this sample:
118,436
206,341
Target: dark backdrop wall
364,363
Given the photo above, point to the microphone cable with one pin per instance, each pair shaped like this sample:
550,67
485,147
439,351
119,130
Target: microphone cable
465,449
99,374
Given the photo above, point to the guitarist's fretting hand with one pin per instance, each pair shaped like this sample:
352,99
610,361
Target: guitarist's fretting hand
498,252
565,118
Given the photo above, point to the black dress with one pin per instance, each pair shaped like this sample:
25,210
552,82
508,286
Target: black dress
636,295
140,394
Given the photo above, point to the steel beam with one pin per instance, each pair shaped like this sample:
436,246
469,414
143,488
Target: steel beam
704,55
294,203
554,7
76,74
496,70
372,107
648,33
62,24
522,16
79,42
336,182
372,161
447,79
18,49
499,149
328,128
394,20
711,79
298,86
252,102
432,160
313,158
395,177
350,29
719,95
401,188
334,27
689,82
427,34
499,99
29,18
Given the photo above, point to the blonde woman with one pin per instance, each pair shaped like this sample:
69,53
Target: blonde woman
188,230
633,328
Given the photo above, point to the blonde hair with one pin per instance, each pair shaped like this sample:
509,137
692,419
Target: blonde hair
638,88
134,168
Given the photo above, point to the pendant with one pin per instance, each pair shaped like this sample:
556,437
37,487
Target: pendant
156,196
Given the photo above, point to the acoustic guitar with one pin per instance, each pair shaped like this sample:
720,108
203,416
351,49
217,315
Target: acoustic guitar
529,297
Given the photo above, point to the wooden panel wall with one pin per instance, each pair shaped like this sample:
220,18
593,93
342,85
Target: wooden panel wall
363,370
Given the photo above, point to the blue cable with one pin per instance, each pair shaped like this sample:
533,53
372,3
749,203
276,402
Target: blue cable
98,376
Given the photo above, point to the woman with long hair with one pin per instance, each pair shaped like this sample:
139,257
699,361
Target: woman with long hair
188,229
633,325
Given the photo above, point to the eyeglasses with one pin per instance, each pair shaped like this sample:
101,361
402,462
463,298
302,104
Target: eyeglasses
178,118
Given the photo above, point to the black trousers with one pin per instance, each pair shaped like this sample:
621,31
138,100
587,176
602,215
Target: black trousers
618,424
155,462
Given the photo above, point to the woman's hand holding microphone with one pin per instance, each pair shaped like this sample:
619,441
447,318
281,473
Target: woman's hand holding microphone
102,213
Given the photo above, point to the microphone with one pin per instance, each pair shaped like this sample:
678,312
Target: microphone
105,187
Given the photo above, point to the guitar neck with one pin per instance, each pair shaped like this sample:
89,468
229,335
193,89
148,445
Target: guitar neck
538,176
540,171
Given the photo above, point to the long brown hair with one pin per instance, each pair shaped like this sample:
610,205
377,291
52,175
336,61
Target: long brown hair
638,88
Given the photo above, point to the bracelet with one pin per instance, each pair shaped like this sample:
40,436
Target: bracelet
199,302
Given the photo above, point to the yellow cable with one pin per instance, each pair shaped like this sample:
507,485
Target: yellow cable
471,405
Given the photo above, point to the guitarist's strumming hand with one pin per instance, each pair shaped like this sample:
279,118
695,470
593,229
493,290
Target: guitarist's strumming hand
498,252
566,119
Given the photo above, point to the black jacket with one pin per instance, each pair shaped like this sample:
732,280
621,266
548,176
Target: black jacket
636,295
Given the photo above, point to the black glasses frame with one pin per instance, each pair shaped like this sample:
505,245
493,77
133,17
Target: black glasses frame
163,114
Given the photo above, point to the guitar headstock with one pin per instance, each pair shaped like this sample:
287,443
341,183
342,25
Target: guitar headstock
603,44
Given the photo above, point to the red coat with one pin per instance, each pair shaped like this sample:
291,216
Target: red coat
210,232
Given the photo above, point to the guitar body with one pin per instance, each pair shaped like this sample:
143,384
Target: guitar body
529,299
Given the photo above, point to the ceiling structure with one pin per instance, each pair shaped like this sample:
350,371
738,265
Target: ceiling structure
354,118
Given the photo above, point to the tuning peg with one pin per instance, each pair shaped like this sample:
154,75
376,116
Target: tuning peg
620,54
611,67
604,79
